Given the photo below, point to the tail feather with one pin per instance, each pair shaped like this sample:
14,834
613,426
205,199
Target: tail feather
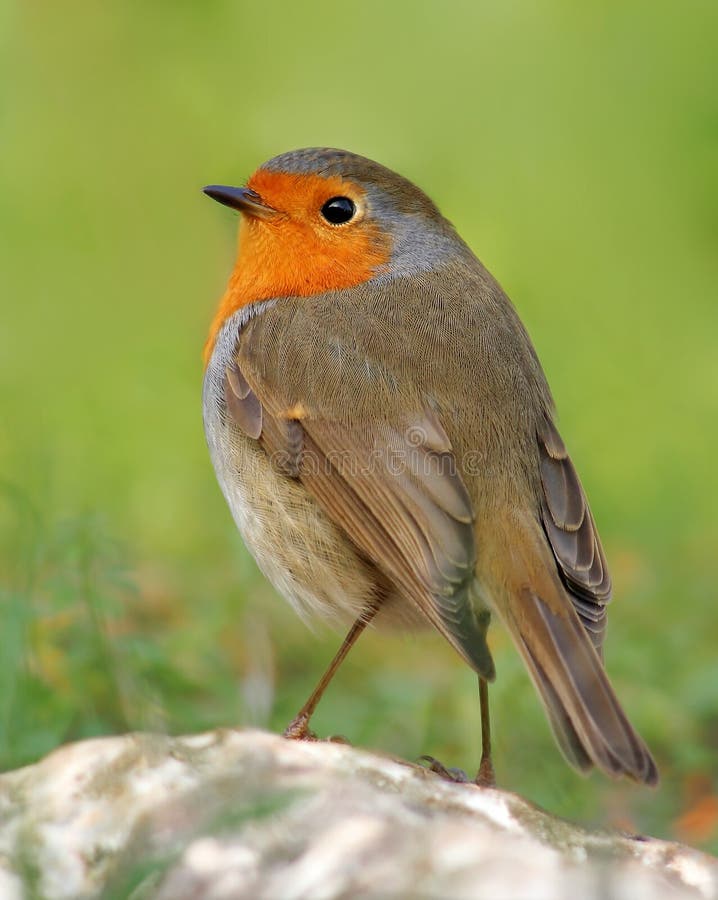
564,732
587,719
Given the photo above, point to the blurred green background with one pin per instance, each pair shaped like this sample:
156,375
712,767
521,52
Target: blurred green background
575,146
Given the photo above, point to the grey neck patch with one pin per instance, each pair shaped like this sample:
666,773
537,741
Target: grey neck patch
419,244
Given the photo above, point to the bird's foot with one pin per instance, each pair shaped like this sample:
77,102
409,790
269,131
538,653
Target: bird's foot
298,729
486,777
456,776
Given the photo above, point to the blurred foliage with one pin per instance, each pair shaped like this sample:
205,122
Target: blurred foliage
575,146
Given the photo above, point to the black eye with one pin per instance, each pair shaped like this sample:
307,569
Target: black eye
338,210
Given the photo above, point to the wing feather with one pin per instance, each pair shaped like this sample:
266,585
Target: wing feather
572,533
396,493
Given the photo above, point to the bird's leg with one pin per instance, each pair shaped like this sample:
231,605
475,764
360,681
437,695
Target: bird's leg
485,777
298,728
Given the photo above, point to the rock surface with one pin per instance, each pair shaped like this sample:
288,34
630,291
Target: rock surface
235,814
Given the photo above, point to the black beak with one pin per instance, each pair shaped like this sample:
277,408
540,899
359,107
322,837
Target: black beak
241,198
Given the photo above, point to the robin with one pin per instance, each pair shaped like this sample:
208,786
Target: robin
384,435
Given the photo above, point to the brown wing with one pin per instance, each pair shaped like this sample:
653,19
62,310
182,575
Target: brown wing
572,533
394,489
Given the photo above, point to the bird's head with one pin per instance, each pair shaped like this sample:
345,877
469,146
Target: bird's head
318,220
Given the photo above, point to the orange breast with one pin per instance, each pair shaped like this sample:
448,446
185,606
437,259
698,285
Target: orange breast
295,253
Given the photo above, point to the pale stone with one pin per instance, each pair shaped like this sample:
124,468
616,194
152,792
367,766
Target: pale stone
245,814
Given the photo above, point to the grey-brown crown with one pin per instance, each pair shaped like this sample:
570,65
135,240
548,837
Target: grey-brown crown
403,194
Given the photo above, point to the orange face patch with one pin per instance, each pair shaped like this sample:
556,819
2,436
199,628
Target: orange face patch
297,253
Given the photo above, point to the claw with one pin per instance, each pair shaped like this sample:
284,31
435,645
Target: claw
298,730
456,776
486,777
